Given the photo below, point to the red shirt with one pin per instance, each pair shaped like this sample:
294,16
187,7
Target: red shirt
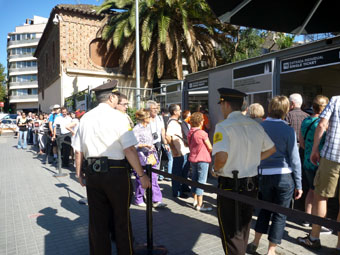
198,150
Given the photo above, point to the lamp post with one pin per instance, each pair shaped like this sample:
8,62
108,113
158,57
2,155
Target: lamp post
137,57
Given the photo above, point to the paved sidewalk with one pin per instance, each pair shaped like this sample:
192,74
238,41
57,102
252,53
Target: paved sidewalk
40,214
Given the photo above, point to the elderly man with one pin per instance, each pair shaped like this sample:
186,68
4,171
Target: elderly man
157,129
296,115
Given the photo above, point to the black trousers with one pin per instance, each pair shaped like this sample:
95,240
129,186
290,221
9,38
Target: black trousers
65,151
109,196
234,241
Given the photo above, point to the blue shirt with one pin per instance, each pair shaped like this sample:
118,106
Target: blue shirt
331,149
52,118
287,152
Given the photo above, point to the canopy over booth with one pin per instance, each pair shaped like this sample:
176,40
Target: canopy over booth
289,16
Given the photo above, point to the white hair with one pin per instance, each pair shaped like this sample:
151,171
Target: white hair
149,103
296,98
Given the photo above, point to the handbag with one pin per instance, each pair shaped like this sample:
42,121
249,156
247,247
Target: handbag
151,160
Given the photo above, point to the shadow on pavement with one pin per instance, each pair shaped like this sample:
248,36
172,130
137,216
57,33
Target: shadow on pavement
65,236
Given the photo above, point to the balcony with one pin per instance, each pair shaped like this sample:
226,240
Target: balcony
23,99
24,69
27,55
23,85
35,40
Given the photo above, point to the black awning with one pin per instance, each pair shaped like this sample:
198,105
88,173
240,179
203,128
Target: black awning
287,16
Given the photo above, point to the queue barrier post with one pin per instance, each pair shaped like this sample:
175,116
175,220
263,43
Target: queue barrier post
60,140
149,248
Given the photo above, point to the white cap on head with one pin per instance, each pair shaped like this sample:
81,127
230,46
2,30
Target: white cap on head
55,106
296,98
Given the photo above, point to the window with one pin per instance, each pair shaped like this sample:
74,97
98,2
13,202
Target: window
18,37
12,37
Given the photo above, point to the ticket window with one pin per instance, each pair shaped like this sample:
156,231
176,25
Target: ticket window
262,98
196,101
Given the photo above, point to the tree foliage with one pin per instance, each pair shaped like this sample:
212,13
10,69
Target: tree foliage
170,31
2,83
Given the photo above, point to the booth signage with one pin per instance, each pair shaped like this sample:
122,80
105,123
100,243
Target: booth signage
319,59
253,78
198,84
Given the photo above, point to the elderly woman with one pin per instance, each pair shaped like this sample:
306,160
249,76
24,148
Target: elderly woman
200,149
147,155
256,112
279,175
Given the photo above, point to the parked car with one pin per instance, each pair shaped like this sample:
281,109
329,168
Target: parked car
8,125
8,116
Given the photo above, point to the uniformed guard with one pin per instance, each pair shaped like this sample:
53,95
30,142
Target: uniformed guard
239,145
104,140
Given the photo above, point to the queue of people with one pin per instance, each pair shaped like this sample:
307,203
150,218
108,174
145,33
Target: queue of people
41,131
270,155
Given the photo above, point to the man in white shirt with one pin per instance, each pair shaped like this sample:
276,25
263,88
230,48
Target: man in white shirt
62,122
239,144
180,151
104,139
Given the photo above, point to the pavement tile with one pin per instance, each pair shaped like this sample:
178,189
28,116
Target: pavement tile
27,187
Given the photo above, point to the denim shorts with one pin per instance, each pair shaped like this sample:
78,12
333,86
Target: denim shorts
200,175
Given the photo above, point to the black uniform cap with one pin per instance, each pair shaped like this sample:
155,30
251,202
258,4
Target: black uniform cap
110,86
227,94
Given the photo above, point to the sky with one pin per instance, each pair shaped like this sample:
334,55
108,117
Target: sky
15,12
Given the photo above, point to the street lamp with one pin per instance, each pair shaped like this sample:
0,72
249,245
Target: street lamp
137,58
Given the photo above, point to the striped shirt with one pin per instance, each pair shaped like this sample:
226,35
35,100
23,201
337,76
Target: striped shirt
331,149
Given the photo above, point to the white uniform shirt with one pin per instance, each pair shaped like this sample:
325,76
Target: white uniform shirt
63,122
175,131
244,140
104,132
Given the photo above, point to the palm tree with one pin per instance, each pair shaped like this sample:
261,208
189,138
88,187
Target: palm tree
170,31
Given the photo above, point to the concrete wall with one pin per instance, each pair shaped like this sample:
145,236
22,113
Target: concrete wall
50,96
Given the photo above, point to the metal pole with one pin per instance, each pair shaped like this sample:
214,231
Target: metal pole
149,248
60,139
236,189
149,211
137,58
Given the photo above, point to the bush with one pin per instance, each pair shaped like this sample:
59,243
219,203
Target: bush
132,113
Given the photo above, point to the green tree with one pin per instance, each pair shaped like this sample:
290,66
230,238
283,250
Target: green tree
170,30
284,41
247,43
3,94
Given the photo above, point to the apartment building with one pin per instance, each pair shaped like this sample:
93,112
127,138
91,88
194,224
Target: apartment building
22,65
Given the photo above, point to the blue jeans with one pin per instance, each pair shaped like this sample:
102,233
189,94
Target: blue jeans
180,168
278,189
200,175
170,161
22,135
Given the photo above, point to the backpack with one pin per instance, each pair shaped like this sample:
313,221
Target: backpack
185,130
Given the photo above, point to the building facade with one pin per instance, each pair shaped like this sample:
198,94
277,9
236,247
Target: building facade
22,65
71,57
